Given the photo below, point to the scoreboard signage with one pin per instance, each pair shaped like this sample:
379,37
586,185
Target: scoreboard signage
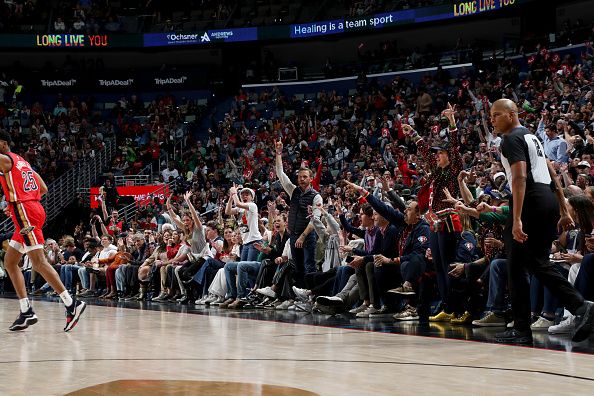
453,10
71,40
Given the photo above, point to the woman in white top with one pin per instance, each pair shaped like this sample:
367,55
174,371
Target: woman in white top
248,225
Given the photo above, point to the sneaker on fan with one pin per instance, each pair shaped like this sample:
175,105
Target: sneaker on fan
360,308
409,313
160,297
301,294
218,300
368,312
384,310
491,319
566,326
404,290
284,305
267,291
333,301
541,324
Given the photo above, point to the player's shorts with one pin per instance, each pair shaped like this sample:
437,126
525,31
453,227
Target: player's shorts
28,218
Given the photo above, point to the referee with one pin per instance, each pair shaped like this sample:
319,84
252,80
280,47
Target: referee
531,228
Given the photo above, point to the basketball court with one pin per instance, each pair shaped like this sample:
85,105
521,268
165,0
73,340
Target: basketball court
148,348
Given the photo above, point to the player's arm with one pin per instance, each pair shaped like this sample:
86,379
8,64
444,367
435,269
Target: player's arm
40,183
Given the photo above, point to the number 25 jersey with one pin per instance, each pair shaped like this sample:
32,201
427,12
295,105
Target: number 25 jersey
19,184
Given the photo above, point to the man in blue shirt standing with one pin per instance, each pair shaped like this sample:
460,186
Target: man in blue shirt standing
555,147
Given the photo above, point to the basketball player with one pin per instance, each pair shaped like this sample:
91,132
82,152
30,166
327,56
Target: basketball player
23,189
531,227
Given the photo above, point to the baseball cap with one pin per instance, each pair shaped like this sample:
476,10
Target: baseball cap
249,190
584,164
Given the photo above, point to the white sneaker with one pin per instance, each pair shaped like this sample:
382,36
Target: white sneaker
267,291
212,298
368,312
284,305
218,300
202,300
510,325
541,324
567,326
360,308
301,294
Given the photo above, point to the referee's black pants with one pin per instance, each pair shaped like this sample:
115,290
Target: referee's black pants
540,214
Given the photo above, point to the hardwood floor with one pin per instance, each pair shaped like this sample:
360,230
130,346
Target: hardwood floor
156,349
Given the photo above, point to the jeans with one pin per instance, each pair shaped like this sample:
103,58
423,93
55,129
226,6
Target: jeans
206,273
443,250
67,274
85,277
497,283
412,269
541,299
249,252
120,279
246,272
342,277
584,282
304,258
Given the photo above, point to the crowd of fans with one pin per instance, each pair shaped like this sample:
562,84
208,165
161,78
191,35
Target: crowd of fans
325,204
55,137
20,15
85,17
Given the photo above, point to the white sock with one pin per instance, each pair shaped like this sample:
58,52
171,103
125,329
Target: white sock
65,296
25,304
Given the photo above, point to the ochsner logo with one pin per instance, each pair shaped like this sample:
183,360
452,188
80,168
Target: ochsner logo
180,37
165,81
58,83
116,83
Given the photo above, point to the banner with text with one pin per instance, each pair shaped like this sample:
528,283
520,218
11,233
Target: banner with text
143,195
70,41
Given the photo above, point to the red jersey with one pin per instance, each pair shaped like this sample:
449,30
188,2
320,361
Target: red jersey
19,183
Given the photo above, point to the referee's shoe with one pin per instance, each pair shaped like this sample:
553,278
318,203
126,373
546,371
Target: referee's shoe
584,320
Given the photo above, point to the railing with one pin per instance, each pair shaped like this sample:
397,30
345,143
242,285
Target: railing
66,188
142,178
180,142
